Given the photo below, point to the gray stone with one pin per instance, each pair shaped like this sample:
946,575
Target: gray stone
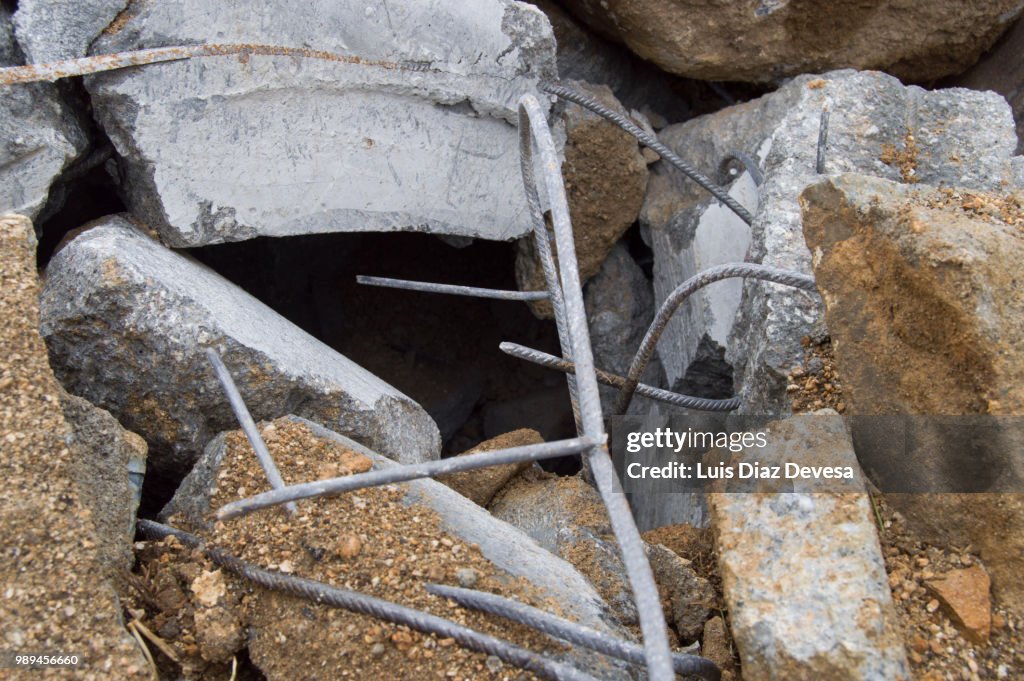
228,148
1002,71
945,137
127,322
39,136
620,307
49,30
506,547
688,597
803,574
765,40
108,463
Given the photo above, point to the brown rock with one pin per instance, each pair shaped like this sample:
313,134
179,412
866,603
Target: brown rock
922,296
605,179
964,594
482,484
763,41
717,646
689,597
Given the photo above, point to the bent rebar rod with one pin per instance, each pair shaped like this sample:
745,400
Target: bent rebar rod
318,592
245,420
651,142
400,473
98,63
648,604
552,362
684,291
745,161
451,289
570,631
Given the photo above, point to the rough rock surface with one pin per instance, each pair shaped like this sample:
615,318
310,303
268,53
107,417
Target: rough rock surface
52,598
803,574
127,322
605,179
877,127
482,484
764,40
1002,70
108,464
620,307
687,597
964,593
931,323
424,143
506,548
49,30
39,137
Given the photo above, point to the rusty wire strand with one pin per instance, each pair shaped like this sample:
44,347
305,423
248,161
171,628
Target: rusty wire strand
403,473
650,141
679,296
572,632
615,381
451,289
245,420
533,119
99,63
320,593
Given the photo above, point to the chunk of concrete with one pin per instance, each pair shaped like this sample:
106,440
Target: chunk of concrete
57,596
482,484
803,574
922,298
49,30
419,135
127,322
39,135
877,126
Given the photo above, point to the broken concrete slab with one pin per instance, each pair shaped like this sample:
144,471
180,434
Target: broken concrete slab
108,464
50,30
803,574
420,135
509,550
56,595
127,322
877,126
921,290
39,135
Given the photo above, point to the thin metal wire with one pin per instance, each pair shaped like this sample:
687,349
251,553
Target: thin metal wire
318,592
400,473
67,68
451,289
684,291
245,419
744,160
687,401
819,165
645,591
650,141
570,631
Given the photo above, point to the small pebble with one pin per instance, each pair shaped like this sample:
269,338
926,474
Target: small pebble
467,577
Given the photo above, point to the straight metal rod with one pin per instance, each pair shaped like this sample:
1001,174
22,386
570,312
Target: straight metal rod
559,364
252,433
645,591
398,473
451,289
570,631
321,593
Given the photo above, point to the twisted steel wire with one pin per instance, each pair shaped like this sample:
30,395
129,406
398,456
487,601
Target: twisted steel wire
400,473
318,592
245,420
687,401
451,289
651,142
693,665
684,291
648,603
542,243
